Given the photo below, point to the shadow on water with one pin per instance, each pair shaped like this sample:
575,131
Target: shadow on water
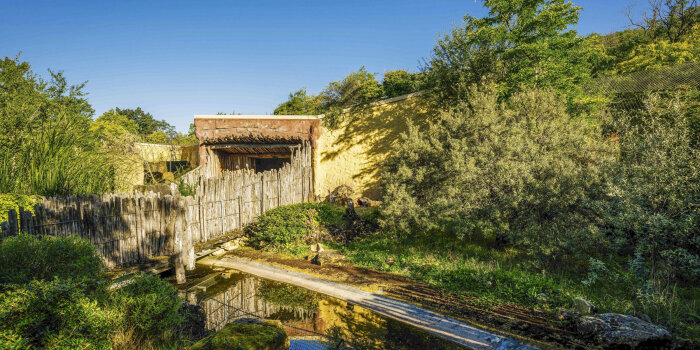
312,320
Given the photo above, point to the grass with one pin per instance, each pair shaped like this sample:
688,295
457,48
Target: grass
493,276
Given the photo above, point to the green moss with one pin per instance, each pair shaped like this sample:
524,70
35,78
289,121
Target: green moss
265,335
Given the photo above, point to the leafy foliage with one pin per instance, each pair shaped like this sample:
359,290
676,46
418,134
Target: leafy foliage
145,122
25,258
54,314
53,295
357,88
525,171
398,82
300,103
9,201
654,215
47,148
149,305
285,226
663,53
519,44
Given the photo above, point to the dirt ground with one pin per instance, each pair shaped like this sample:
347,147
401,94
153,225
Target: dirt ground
538,328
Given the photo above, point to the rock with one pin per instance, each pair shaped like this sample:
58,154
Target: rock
318,260
316,248
341,193
366,202
230,245
583,306
568,316
616,330
246,333
542,298
218,252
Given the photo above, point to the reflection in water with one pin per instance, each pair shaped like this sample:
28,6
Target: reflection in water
307,316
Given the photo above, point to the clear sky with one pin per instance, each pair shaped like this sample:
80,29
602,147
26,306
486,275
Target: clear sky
179,58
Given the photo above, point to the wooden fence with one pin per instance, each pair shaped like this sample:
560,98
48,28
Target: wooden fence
130,228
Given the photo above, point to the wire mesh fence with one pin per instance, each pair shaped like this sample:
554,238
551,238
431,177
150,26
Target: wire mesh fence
628,92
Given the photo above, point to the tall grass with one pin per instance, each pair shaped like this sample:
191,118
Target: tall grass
59,157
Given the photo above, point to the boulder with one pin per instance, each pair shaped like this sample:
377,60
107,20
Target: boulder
318,260
615,330
218,252
231,245
366,202
583,306
246,334
316,248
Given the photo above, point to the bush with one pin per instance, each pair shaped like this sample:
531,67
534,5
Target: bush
283,227
150,306
52,315
656,184
25,258
524,172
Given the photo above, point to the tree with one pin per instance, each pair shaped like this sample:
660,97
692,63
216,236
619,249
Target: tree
357,89
115,118
299,103
669,20
146,123
521,43
397,83
157,137
46,146
663,53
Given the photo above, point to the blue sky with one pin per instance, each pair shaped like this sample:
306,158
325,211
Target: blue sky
179,58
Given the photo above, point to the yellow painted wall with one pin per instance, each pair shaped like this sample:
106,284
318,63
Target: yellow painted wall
352,154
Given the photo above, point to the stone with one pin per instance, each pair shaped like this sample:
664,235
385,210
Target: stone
318,260
616,330
341,193
316,248
583,306
246,333
218,252
230,245
366,202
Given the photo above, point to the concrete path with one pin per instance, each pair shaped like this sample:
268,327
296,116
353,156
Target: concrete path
444,327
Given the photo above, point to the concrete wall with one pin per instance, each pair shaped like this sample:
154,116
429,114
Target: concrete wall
352,154
151,152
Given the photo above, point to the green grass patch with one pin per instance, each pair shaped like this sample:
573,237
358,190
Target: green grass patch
494,276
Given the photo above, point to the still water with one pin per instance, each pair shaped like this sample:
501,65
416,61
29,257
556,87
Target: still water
312,320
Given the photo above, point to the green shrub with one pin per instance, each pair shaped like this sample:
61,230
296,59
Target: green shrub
150,306
10,201
24,258
52,315
282,228
525,172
